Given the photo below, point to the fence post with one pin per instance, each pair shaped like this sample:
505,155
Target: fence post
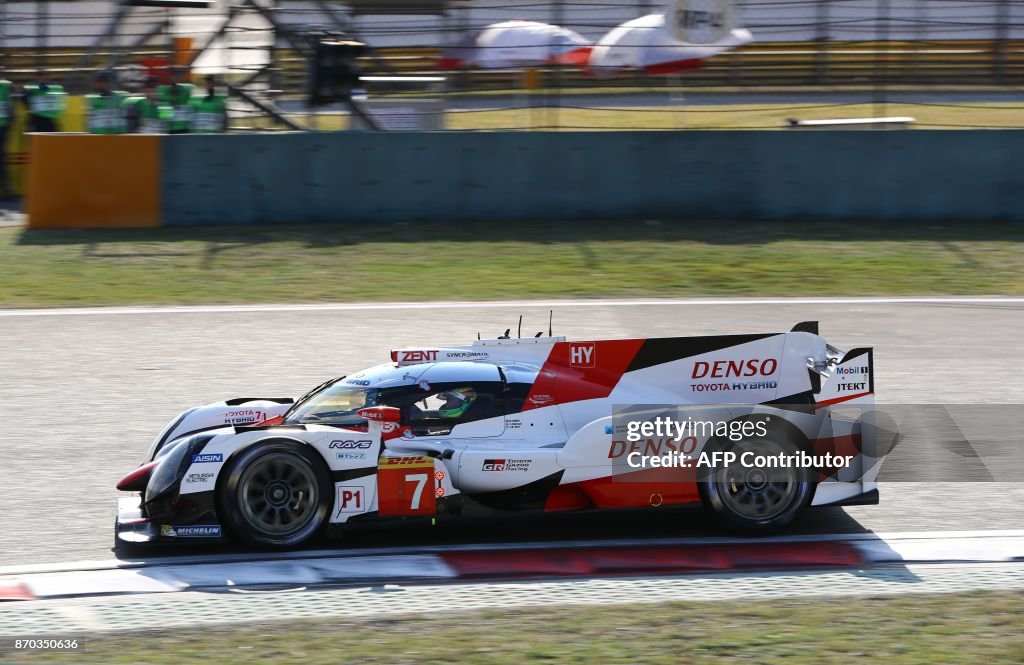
1002,40
822,39
3,36
920,41
560,22
882,59
42,28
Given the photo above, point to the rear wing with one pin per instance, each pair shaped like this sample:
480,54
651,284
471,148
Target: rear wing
846,377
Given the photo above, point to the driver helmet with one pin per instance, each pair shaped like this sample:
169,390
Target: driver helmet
456,402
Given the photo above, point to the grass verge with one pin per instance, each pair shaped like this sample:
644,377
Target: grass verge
420,261
954,628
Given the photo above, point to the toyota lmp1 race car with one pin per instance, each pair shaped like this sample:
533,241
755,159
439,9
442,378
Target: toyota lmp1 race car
510,425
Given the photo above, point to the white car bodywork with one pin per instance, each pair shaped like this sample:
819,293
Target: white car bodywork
554,442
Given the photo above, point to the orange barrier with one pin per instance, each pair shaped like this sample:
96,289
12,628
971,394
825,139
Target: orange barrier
93,181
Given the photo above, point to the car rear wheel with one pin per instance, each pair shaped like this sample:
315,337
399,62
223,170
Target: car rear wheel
276,494
757,498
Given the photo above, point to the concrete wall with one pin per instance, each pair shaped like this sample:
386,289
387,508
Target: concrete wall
496,176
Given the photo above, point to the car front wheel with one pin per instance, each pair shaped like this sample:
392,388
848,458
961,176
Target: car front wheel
276,494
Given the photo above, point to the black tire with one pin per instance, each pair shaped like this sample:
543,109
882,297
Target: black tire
276,495
756,500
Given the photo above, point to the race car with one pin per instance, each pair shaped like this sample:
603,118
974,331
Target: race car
511,425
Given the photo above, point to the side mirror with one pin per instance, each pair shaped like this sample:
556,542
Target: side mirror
380,414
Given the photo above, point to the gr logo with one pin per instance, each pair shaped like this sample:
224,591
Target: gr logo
351,445
582,355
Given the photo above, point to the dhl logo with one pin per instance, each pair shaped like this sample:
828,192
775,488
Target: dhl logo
406,461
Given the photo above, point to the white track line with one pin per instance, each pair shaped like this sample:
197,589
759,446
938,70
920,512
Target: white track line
333,307
413,550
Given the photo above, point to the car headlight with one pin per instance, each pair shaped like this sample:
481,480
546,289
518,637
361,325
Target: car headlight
174,461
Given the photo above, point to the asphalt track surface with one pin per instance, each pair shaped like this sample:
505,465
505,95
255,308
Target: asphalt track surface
84,393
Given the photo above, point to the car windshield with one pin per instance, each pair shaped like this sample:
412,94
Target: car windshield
335,405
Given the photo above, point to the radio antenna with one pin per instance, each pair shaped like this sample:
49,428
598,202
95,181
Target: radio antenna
519,331
551,315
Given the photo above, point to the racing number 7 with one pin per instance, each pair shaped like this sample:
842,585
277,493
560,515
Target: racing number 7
420,479
405,486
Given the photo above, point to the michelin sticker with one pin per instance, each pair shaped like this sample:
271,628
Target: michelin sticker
195,531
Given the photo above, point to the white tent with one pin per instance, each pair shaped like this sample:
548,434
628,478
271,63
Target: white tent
689,33
518,44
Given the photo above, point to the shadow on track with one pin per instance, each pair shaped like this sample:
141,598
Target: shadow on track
590,526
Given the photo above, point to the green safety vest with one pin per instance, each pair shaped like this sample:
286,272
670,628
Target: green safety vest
178,97
106,113
154,118
210,114
49,103
5,102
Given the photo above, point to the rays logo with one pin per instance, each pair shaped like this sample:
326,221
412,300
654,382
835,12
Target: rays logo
351,445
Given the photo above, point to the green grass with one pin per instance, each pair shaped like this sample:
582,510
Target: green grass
732,116
958,628
470,261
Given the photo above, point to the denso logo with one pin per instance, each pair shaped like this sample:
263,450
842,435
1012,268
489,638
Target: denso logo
418,356
351,445
652,447
721,369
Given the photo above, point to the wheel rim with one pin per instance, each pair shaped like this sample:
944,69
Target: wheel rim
758,493
278,495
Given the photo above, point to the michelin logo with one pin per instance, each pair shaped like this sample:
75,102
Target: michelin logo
203,531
